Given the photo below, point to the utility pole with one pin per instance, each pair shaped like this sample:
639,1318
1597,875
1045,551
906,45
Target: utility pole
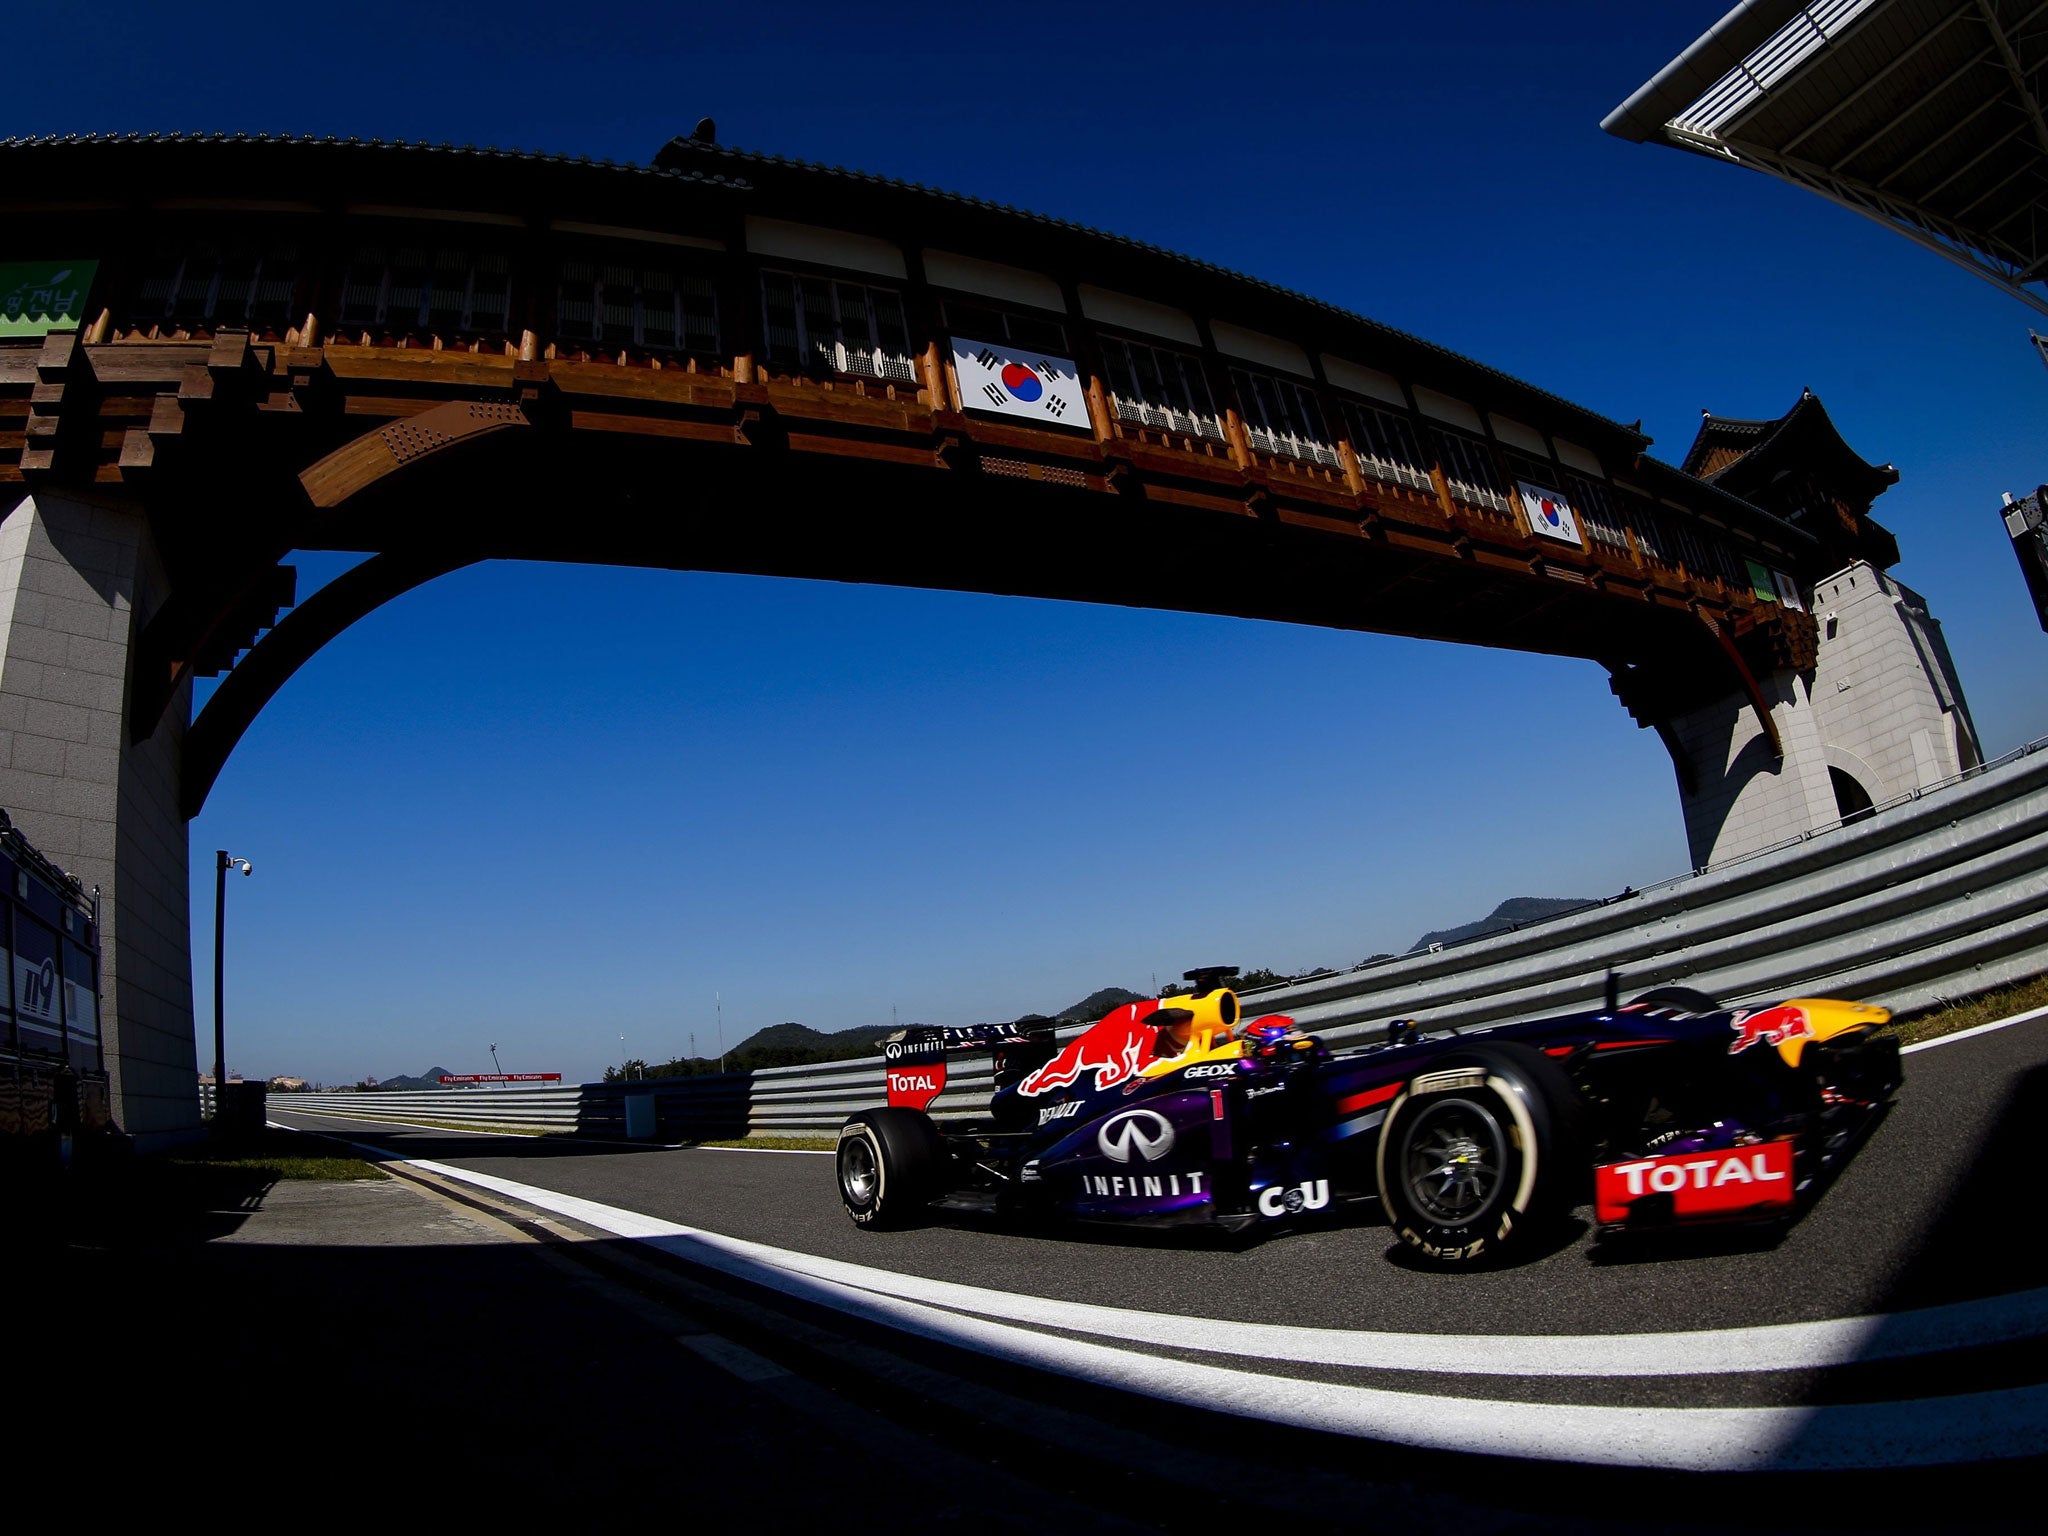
718,1002
221,860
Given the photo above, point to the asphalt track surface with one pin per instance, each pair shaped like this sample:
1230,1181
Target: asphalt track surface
1933,1219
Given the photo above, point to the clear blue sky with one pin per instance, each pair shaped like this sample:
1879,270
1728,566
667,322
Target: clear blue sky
550,805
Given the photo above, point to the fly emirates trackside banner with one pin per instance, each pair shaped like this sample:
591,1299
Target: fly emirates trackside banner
1011,381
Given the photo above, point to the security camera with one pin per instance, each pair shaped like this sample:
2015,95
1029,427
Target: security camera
248,868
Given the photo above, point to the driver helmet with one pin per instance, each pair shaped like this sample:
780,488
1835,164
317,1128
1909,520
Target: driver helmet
1266,1036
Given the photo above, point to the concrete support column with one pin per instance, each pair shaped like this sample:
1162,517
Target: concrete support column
1881,714
1743,797
79,576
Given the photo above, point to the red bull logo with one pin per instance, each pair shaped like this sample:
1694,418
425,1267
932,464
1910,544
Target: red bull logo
1771,1026
1113,1050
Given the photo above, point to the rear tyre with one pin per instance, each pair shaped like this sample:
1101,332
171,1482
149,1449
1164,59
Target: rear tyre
1481,1154
890,1165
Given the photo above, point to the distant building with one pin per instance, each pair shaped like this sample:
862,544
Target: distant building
1867,711
288,1085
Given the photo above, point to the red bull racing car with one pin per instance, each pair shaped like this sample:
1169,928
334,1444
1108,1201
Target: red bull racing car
1670,1111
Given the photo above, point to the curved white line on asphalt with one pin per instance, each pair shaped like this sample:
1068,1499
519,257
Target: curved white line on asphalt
1974,1031
1700,1352
1938,1431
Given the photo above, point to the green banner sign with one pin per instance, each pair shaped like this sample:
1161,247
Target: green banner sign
37,297
1760,581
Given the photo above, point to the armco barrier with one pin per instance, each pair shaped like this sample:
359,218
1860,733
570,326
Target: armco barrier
1941,895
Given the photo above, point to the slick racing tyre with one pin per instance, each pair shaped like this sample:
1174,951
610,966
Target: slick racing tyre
889,1164
1480,1153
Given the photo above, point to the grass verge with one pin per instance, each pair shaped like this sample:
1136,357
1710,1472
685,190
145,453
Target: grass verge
774,1143
276,1154
1947,1018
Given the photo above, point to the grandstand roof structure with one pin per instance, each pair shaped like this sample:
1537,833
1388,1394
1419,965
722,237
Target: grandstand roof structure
1925,115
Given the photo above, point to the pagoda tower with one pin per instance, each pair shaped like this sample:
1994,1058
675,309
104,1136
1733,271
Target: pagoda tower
1873,712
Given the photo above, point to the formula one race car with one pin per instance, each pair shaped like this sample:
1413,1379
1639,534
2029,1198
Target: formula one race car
1670,1111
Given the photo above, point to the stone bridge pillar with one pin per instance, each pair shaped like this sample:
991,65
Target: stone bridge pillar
79,576
1881,713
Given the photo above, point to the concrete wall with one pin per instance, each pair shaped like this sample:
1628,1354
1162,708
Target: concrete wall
79,576
1886,692
1883,705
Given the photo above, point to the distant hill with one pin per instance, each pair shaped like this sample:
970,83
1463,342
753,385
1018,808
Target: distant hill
856,1041
1096,1004
793,1044
1516,909
431,1078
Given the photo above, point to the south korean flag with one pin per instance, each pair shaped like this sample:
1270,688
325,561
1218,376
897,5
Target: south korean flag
1549,514
1008,381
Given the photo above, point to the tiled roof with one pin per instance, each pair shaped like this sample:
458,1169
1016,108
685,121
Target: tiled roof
666,166
481,151
962,199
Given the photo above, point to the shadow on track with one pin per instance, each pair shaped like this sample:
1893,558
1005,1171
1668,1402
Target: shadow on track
1987,1240
1349,1215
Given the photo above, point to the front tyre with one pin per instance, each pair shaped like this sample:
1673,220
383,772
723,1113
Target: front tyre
1480,1154
890,1165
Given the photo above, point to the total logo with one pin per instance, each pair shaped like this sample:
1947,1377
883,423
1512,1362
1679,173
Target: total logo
1064,1111
1143,1134
1666,1178
1292,1199
1710,1184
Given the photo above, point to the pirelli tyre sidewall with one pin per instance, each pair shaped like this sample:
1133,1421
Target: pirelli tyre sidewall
1506,1118
889,1164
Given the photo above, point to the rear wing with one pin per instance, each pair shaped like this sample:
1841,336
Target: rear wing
915,1058
934,1042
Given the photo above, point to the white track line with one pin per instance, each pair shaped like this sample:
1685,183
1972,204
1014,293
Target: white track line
777,1151
421,1125
1769,1347
1772,1347
404,1125
1974,1427
1702,1352
1979,1029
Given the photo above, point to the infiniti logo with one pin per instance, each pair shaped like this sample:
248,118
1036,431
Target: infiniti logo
1143,1132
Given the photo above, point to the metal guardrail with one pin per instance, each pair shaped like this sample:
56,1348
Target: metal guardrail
1939,895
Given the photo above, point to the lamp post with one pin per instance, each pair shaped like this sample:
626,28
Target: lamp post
221,860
